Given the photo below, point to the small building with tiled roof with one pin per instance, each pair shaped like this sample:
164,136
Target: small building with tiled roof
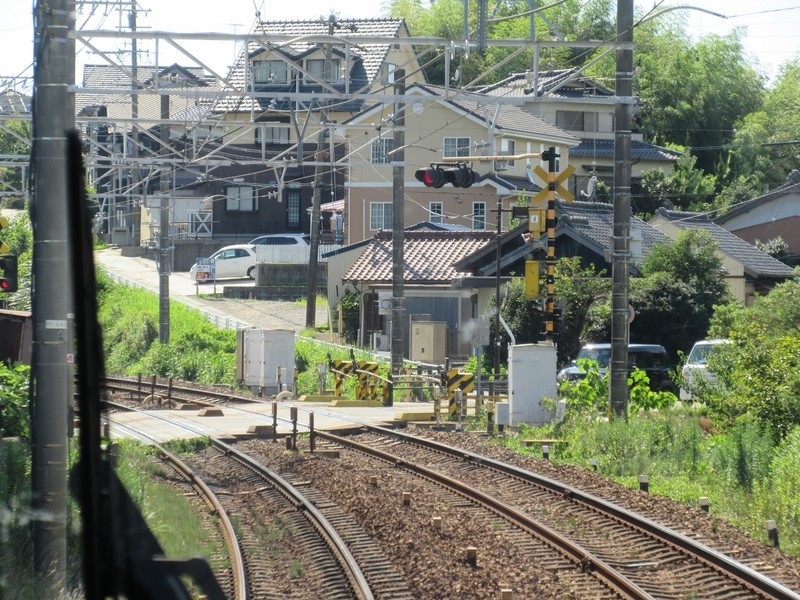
749,272
769,216
434,289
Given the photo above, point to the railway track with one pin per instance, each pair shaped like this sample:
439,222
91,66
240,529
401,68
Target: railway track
570,545
658,560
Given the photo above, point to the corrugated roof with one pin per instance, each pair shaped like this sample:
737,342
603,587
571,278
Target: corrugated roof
428,256
757,262
572,85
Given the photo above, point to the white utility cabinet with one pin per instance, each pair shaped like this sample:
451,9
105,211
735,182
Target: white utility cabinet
531,379
260,353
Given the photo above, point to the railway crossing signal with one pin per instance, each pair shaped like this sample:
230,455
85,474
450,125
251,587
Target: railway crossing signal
8,279
436,176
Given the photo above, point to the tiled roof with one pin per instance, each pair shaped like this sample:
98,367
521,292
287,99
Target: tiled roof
594,221
755,261
508,118
113,78
367,57
14,103
573,85
428,256
639,150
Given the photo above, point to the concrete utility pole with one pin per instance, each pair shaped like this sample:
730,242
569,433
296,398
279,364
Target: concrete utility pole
163,230
618,388
322,142
398,223
53,115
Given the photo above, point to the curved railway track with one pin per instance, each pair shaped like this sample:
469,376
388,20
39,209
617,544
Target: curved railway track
604,550
634,544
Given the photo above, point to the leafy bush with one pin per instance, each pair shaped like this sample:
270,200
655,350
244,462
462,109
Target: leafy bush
14,413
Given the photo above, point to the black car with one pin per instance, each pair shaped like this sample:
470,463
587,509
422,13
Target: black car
650,358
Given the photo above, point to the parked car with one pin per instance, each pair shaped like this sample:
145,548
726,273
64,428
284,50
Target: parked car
650,358
696,366
238,260
282,239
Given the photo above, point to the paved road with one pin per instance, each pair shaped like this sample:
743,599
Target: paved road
228,313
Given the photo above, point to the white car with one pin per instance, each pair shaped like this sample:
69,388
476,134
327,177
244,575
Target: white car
238,260
281,239
696,366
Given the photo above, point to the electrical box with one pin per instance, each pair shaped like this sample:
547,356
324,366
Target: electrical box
532,389
532,279
384,303
537,220
380,342
428,341
259,355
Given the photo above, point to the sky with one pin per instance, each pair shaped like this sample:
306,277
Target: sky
772,38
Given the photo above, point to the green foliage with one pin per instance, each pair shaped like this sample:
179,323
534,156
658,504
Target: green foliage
16,551
743,455
14,411
197,351
685,188
18,236
309,353
523,316
351,308
778,495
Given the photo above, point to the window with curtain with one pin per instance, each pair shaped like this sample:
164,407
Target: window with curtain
381,149
436,212
293,209
274,72
456,146
479,215
316,66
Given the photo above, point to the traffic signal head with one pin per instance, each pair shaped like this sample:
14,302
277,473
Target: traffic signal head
431,177
8,273
436,177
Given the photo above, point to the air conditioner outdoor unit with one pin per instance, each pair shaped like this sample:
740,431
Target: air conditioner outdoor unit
380,341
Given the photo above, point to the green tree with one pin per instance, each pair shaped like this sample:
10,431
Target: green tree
681,286
14,141
685,188
18,236
693,94
578,288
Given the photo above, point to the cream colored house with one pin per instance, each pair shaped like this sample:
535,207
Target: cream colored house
439,127
585,108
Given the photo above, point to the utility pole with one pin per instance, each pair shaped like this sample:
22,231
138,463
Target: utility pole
135,207
398,223
618,388
163,228
53,115
322,141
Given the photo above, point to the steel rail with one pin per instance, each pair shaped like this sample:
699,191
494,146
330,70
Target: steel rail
733,569
228,532
583,558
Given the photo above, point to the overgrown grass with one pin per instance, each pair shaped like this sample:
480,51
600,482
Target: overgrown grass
746,478
169,514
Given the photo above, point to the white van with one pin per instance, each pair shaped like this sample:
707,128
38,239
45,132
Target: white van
696,366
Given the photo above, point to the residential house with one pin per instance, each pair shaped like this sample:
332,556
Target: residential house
772,215
585,108
434,290
441,126
748,271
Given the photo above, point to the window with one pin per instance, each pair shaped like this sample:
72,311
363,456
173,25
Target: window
435,212
274,72
571,120
456,146
479,215
272,134
508,148
241,198
381,149
316,66
389,68
293,209
380,215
